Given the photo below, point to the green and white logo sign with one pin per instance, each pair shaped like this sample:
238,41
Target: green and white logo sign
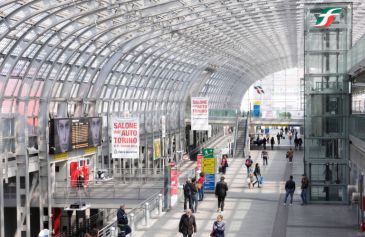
327,17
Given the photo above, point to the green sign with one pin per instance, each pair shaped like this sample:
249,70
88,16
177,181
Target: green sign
208,152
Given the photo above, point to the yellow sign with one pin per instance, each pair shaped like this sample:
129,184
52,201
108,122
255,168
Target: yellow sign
61,156
208,165
90,150
156,148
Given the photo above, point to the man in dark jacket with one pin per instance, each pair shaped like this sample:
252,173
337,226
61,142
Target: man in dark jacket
187,225
290,189
187,194
304,188
122,219
220,192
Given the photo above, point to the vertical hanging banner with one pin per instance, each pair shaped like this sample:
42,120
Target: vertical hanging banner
208,167
125,137
156,148
163,126
199,113
199,160
174,185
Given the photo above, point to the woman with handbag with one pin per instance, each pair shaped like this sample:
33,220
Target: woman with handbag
218,227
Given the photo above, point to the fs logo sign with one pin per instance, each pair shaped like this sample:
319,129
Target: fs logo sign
327,17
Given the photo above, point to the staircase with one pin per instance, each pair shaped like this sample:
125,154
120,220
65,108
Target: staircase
241,137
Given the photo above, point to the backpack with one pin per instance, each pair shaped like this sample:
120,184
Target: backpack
187,191
248,162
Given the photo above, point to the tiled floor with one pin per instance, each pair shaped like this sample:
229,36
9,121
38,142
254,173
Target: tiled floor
260,212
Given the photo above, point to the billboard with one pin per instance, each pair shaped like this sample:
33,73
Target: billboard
67,134
95,127
199,113
157,148
125,137
60,135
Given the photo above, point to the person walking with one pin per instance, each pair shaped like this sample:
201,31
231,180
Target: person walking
264,156
200,186
304,188
248,164
218,227
221,192
296,143
187,225
257,174
194,195
224,164
122,220
290,189
290,136
272,141
278,138
300,142
264,142
187,194
290,155
250,181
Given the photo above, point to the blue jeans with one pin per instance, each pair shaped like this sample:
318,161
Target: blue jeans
303,195
291,193
194,198
201,193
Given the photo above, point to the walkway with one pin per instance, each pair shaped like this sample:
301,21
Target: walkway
260,212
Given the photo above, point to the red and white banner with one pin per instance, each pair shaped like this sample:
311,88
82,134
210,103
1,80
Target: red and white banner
125,137
199,113
174,185
199,159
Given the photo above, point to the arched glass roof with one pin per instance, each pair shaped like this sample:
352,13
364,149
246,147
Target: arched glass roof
80,56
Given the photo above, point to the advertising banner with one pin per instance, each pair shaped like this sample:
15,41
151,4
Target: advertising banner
174,185
208,167
156,148
199,113
125,137
199,160
163,126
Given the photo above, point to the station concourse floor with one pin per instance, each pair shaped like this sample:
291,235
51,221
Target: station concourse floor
260,212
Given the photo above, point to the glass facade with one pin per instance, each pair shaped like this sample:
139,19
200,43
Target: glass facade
327,40
281,95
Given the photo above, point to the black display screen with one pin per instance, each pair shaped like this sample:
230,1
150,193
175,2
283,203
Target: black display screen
80,133
68,134
60,136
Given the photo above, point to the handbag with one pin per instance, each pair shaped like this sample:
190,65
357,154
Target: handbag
212,234
220,169
199,186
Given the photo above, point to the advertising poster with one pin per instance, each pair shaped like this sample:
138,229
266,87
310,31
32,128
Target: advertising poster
60,136
125,138
208,167
256,109
156,148
199,160
199,113
174,186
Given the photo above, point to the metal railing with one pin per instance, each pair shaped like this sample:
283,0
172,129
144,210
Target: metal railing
139,215
92,191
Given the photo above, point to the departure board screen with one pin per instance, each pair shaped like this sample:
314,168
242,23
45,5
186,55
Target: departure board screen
80,133
67,134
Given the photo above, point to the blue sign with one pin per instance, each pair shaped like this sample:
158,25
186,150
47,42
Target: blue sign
209,182
256,110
